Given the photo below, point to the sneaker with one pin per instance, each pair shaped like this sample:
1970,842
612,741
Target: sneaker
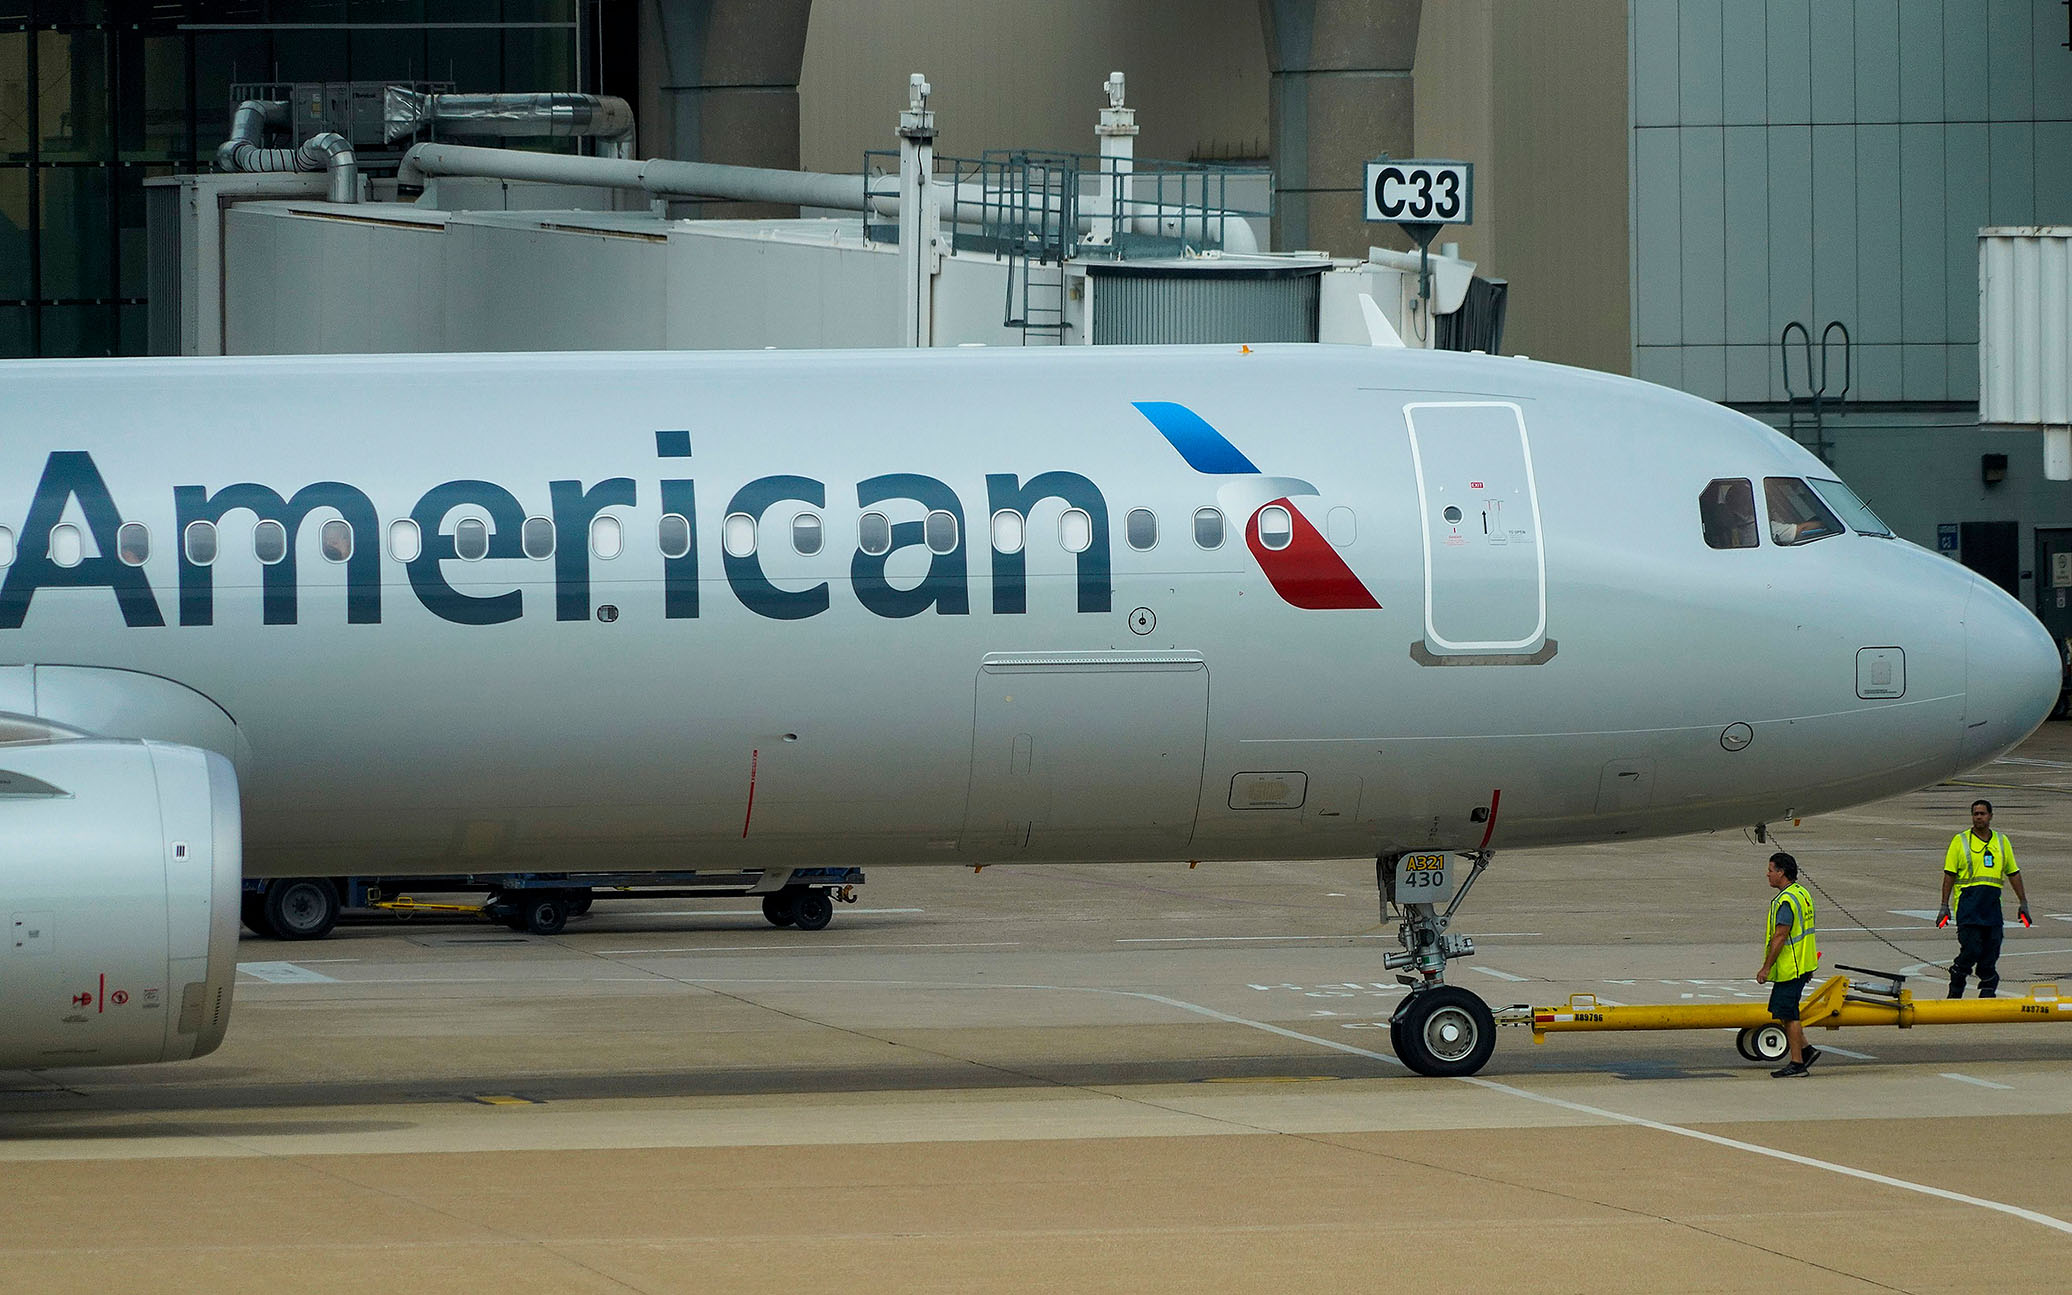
1813,1054
1794,1070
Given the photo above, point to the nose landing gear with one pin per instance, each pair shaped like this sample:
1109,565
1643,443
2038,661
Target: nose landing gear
1438,1029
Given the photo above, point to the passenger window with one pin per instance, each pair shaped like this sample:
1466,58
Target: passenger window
874,534
6,547
607,536
133,543
406,542
1276,527
1009,531
536,538
1341,526
737,535
940,531
269,542
471,539
1726,507
1796,514
1075,530
1141,526
200,543
336,540
675,535
806,533
66,546
1208,528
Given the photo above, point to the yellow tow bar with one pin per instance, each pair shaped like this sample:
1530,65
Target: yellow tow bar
405,904
1881,999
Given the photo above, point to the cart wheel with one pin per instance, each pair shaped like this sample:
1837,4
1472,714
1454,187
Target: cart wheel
301,908
1764,1043
778,909
545,915
252,910
1444,1031
578,902
812,910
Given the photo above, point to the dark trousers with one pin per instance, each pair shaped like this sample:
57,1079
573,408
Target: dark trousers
1977,946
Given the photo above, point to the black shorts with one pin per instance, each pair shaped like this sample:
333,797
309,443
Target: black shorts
1784,997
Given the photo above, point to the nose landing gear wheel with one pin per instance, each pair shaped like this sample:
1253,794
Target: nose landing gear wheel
1443,1031
1764,1043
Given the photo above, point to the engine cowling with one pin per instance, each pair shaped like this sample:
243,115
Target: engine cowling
120,863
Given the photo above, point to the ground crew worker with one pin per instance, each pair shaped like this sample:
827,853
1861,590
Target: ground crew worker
1977,863
1789,959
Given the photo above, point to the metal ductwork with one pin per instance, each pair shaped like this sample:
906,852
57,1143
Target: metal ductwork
665,178
330,152
558,116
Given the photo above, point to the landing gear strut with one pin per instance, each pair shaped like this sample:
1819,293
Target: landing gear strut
1438,1029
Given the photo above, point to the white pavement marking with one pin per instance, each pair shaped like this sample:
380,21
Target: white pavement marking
809,945
1237,939
2032,763
1925,914
1982,1083
285,973
1844,1052
1500,975
755,913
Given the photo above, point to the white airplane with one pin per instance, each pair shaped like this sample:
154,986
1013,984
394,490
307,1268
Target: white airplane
441,614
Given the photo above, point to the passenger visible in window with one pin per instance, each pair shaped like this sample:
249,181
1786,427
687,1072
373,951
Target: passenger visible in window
1727,509
336,541
1796,514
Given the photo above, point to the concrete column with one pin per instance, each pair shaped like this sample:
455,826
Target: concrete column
1341,94
720,83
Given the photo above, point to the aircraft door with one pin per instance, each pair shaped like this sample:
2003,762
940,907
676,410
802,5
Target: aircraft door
1485,568
1079,752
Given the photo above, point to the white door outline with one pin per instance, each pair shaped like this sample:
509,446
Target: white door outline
1532,494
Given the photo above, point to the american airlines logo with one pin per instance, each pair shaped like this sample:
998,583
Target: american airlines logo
1298,561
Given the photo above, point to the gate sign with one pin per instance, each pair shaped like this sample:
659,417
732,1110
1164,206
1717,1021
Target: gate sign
1421,191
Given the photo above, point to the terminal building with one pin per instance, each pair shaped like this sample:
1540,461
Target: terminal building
1776,206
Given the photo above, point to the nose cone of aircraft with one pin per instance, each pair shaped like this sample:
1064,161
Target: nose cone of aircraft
2012,675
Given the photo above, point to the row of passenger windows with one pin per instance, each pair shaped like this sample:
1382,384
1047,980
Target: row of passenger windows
738,536
1799,512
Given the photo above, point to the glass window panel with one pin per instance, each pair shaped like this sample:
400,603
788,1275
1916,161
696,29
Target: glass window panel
269,542
14,94
1726,511
874,533
200,542
471,539
1851,506
66,547
1276,527
1796,514
675,535
1008,531
1075,530
737,535
539,58
607,537
133,543
75,239
1142,527
536,537
220,58
78,330
132,243
336,540
406,543
941,532
136,330
14,332
1208,528
151,98
806,533
14,232
6,547
72,96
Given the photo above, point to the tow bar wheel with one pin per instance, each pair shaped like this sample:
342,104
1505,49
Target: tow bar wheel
1444,1031
1762,1043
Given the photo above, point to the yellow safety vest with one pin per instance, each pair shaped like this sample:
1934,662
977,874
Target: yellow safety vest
1980,863
1800,955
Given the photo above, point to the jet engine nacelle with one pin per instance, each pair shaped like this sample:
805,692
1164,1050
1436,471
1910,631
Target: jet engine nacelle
119,871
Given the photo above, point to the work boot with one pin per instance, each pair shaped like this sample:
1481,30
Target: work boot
1792,1070
1956,987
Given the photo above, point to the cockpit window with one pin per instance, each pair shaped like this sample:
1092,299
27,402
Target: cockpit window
1727,508
1796,514
1851,507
